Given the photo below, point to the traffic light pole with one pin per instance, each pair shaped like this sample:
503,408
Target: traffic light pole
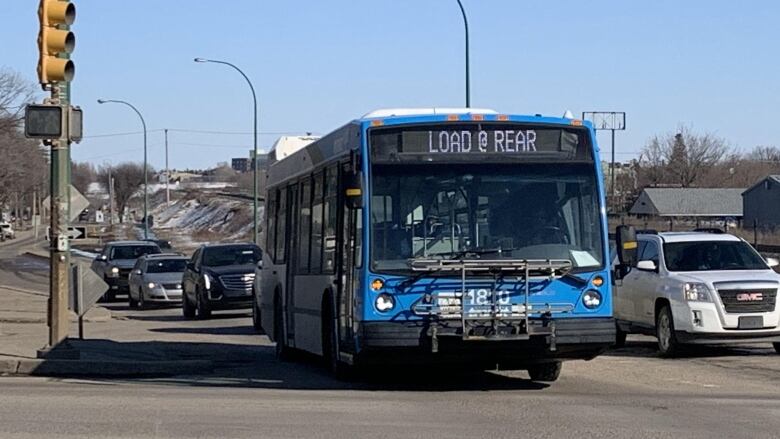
59,250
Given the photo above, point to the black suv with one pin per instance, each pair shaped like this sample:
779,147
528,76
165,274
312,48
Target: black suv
219,277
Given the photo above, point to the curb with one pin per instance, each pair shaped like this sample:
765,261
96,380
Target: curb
113,369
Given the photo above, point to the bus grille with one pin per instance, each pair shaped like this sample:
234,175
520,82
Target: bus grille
238,281
736,301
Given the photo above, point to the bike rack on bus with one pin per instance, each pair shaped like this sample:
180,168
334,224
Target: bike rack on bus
497,322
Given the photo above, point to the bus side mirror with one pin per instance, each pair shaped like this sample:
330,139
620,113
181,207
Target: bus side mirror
625,237
353,190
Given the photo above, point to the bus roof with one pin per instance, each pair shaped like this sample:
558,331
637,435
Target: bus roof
400,116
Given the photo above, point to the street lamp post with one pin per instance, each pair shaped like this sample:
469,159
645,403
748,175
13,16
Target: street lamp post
254,130
468,80
146,173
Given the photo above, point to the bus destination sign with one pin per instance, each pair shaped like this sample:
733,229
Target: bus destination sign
449,142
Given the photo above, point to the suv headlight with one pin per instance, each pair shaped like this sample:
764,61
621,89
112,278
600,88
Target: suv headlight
113,272
207,281
696,292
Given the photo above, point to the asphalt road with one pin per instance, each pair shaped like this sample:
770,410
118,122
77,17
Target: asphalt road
712,393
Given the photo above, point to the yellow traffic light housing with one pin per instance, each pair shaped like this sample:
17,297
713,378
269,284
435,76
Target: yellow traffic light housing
56,41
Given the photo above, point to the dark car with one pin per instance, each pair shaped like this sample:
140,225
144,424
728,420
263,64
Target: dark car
116,260
219,277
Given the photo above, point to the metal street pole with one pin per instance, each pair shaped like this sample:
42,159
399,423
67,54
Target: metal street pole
146,163
167,173
612,121
254,130
468,78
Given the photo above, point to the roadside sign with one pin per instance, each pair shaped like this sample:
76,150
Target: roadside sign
77,203
77,232
86,288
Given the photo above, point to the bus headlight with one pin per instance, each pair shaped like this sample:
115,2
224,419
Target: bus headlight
591,299
384,302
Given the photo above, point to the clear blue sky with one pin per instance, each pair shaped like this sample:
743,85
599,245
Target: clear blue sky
316,64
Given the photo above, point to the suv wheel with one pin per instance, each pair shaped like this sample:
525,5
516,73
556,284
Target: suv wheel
620,337
131,302
204,312
141,301
545,371
187,308
777,347
668,346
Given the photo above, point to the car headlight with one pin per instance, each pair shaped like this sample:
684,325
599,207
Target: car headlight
207,281
151,285
384,302
114,272
696,292
591,299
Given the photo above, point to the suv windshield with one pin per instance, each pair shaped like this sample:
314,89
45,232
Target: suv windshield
166,266
223,256
712,255
133,251
521,211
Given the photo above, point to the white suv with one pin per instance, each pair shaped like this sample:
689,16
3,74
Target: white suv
701,288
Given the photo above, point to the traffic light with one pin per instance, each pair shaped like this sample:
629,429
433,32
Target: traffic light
55,41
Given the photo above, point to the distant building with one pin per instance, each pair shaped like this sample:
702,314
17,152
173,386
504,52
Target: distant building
689,203
241,164
761,203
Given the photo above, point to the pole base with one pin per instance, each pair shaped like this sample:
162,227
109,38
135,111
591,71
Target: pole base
62,351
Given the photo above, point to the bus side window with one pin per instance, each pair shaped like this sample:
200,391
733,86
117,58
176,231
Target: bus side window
316,224
304,234
270,244
359,238
281,227
330,224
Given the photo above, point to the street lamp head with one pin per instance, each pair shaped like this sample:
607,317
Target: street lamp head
200,60
101,101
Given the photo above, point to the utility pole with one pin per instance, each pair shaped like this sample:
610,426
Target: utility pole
110,197
167,173
612,121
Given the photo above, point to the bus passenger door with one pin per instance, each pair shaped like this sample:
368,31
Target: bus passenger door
346,269
292,264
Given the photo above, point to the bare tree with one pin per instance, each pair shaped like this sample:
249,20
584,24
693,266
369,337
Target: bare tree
768,154
82,175
15,92
681,158
128,179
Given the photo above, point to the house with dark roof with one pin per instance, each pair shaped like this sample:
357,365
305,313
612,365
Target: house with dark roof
710,203
761,203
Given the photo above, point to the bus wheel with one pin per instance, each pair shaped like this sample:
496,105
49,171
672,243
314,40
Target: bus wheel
330,343
257,324
282,350
545,371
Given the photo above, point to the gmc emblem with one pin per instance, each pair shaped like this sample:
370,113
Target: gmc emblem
750,297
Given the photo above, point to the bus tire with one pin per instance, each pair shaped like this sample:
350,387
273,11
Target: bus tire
545,371
282,350
257,323
330,344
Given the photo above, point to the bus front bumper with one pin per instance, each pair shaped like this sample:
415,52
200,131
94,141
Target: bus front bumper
569,338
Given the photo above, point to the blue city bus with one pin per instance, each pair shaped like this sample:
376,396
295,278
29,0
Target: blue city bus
452,235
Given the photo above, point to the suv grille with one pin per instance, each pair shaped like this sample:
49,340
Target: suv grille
745,301
238,281
125,272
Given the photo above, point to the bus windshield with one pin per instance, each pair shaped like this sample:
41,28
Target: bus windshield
489,211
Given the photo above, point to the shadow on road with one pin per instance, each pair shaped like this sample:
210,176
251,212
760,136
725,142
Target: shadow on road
649,349
223,330
254,366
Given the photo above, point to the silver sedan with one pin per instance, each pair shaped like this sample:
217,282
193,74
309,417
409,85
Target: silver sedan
156,279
